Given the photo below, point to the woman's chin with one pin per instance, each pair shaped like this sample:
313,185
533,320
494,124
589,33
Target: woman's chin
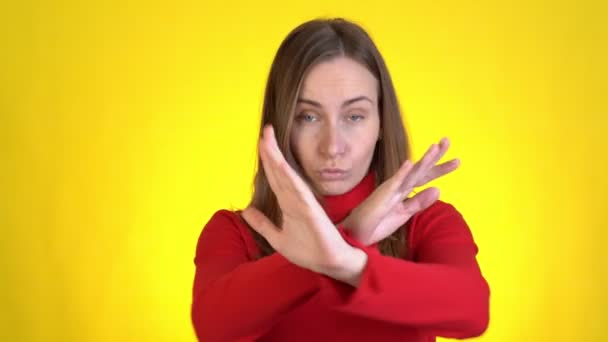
333,188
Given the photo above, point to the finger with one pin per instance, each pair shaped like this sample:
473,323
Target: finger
430,158
284,176
439,170
444,144
433,158
269,170
419,168
287,178
401,174
270,136
276,159
262,224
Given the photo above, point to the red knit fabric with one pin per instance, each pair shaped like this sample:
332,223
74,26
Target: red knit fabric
437,290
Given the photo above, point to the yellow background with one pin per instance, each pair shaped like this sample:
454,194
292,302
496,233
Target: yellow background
124,126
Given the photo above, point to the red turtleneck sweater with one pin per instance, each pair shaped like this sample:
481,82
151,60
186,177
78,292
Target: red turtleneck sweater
436,290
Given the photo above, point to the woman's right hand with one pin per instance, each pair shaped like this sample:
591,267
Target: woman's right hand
389,207
307,237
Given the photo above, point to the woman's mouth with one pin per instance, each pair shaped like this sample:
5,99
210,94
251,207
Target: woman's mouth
332,174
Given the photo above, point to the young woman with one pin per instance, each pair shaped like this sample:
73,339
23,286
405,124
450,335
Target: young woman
332,247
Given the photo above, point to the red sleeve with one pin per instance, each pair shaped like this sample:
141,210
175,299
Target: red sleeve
442,291
234,298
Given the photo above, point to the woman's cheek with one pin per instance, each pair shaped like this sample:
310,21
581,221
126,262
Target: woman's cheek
303,144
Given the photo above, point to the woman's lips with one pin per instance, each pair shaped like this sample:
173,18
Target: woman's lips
332,174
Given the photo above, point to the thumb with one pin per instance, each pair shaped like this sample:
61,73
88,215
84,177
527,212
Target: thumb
261,224
422,200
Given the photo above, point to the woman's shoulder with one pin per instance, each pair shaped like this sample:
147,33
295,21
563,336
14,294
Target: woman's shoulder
228,221
226,229
438,208
440,221
224,215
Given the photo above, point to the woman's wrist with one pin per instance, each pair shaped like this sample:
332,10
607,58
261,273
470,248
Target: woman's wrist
351,267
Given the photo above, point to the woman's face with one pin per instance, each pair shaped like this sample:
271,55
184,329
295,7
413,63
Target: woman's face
336,124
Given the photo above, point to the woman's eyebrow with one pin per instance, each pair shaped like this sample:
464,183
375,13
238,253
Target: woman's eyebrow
344,104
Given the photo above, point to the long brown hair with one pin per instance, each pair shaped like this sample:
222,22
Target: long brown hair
308,44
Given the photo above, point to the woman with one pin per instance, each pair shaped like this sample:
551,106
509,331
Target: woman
331,247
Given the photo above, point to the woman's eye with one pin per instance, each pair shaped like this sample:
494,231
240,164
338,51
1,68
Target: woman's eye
356,117
306,117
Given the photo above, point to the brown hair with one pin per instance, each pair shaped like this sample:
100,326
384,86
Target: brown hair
308,44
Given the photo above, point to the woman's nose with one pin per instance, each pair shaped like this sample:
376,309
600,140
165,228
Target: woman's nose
332,143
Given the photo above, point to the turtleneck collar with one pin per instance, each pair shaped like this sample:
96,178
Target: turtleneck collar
338,207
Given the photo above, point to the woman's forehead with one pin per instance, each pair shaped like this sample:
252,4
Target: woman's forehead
338,95
338,79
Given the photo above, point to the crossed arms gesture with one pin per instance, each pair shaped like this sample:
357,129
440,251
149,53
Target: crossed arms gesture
310,240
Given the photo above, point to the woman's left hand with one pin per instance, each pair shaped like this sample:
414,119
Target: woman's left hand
388,207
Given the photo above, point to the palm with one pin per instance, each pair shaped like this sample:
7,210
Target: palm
388,207
396,217
401,212
307,237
